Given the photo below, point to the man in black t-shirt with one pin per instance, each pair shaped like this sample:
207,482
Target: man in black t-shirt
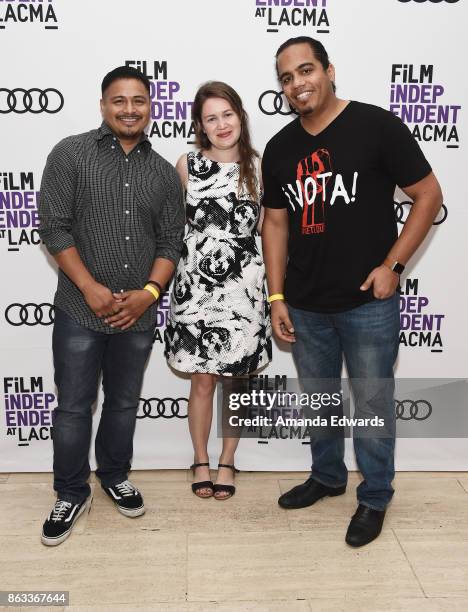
331,246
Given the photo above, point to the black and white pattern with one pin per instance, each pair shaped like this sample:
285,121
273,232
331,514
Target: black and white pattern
219,321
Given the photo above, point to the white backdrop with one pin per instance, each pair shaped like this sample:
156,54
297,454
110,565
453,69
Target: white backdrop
64,47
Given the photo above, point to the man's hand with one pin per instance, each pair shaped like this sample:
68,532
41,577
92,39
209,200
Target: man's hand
132,304
100,299
281,323
383,281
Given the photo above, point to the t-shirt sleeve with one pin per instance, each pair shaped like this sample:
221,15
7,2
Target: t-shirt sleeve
273,196
402,156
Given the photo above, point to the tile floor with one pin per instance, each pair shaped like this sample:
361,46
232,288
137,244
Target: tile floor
245,554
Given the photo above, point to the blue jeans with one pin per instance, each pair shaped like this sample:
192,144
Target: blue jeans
368,337
80,355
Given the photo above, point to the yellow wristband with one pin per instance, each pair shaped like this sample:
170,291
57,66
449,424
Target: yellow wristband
152,290
276,296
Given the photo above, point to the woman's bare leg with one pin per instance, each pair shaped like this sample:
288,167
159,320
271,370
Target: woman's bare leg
225,475
200,415
231,435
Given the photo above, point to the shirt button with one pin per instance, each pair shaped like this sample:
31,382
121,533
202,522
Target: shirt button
126,159
127,212
126,266
126,185
138,151
127,237
112,147
114,138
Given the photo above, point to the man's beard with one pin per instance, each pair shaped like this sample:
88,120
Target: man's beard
303,112
130,132
307,111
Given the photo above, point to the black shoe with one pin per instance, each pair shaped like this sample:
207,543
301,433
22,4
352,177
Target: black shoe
307,494
204,484
59,524
365,526
127,498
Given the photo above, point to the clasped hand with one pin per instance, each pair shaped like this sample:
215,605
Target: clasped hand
119,310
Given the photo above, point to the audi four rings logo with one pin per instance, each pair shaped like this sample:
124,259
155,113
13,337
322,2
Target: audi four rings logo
32,100
408,410
401,217
165,408
30,314
274,103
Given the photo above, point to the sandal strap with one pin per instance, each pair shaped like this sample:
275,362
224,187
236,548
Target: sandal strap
223,488
232,467
195,465
205,484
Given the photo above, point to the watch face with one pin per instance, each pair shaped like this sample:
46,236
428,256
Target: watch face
398,267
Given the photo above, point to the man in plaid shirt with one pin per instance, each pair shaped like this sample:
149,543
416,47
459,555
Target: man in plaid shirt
111,214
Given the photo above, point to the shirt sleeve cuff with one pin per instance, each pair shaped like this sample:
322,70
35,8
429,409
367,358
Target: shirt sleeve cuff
171,254
57,242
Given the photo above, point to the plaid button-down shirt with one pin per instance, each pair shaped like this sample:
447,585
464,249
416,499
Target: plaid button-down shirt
120,211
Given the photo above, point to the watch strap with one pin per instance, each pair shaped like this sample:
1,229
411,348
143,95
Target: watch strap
397,267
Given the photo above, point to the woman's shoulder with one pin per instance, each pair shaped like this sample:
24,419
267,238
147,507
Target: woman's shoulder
182,167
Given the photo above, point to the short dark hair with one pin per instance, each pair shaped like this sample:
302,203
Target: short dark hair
124,72
318,49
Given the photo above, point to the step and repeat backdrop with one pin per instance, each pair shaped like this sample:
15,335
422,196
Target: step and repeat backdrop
403,55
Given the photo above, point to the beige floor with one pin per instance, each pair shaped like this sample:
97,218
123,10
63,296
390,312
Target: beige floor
245,554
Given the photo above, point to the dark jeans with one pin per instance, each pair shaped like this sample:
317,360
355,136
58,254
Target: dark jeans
368,337
80,354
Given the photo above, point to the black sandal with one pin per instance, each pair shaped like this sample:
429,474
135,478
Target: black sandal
224,488
205,484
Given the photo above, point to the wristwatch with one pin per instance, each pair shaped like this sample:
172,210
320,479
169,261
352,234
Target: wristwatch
397,267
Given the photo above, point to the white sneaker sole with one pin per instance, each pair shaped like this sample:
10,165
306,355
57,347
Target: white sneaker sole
56,541
131,513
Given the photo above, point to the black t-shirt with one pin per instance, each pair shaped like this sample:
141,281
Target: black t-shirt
338,188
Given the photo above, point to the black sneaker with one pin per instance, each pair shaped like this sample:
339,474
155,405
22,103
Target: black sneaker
127,498
59,524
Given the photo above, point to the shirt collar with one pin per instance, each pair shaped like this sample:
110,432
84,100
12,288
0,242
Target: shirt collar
104,130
